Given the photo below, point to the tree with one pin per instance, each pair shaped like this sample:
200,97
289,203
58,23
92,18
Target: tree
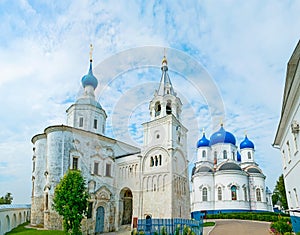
279,194
71,201
7,199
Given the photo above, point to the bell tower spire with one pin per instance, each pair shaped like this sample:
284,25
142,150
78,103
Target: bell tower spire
165,101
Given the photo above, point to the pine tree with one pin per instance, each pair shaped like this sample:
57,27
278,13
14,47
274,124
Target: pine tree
279,194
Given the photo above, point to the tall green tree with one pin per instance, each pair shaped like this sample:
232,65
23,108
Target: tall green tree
279,194
71,201
7,199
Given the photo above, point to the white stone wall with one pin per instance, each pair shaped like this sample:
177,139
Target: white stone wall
244,155
13,215
219,148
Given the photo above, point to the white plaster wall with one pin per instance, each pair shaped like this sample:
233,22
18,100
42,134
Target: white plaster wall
244,155
13,215
226,179
203,180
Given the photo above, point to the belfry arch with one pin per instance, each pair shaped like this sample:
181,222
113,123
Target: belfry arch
125,206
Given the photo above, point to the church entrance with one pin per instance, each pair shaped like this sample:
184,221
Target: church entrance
126,206
99,220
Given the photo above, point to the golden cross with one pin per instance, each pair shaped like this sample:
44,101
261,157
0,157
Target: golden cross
91,52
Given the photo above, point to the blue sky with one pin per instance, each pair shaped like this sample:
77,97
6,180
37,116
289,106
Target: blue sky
242,46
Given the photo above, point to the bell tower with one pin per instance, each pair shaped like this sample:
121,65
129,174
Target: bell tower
165,174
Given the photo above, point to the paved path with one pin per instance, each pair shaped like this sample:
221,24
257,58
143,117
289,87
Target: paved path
239,227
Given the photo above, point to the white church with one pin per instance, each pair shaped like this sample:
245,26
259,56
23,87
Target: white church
127,183
226,178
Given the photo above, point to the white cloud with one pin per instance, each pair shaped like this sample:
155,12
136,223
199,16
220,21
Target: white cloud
244,46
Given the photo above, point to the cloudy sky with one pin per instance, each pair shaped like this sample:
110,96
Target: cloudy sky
237,50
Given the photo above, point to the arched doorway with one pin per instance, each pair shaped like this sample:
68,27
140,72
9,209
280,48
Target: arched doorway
126,206
100,220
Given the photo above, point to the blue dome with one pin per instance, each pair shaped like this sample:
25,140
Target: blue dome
89,79
222,136
246,143
203,142
239,157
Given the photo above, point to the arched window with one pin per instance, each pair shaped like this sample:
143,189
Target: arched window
156,161
225,154
46,201
233,192
258,195
245,194
249,155
160,160
151,162
169,108
157,109
204,194
233,156
215,154
219,194
203,153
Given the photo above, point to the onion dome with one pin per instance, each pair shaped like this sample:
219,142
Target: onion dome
239,157
203,142
222,136
246,143
89,79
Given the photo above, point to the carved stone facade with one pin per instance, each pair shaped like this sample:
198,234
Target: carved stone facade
124,181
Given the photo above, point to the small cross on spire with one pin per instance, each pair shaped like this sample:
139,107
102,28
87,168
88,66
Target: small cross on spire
91,52
164,60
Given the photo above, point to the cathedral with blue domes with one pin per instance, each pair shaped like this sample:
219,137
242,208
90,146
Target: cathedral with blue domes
226,178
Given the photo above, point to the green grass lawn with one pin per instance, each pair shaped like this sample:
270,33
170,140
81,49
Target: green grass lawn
21,230
208,224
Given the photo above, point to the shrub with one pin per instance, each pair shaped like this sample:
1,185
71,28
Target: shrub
177,230
163,231
282,226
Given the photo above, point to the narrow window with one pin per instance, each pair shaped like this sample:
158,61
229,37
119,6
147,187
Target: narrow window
296,196
225,154
160,160
203,153
81,122
32,192
90,210
233,192
249,155
245,194
258,195
295,143
95,123
96,168
219,194
289,150
46,201
151,162
233,156
284,159
215,154
168,108
204,194
75,163
156,161
108,169
157,109
33,166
